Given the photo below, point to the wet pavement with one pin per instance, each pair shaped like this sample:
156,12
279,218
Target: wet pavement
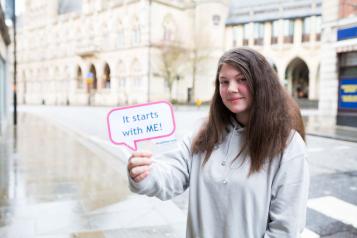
325,126
60,177
55,185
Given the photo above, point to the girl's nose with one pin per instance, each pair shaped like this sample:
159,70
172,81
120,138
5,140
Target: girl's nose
233,87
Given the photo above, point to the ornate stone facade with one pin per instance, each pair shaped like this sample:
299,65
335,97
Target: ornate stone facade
339,60
288,34
109,52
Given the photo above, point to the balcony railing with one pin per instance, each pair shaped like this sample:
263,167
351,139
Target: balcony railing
318,37
288,39
258,41
305,37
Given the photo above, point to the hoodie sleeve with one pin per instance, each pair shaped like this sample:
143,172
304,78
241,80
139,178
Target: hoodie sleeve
169,175
287,213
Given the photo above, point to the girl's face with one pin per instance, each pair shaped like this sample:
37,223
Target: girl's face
235,92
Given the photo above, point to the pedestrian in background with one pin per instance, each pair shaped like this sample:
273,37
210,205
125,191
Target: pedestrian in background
245,166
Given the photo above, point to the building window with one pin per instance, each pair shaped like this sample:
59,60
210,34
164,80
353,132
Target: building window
122,82
79,78
120,35
216,19
122,75
136,74
275,32
258,33
318,28
306,29
288,31
246,34
136,35
106,76
235,34
121,38
168,29
67,6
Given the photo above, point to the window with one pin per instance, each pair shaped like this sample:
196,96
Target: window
246,34
258,33
121,74
136,35
216,19
306,29
168,28
318,28
136,74
275,32
67,6
106,76
235,34
120,35
288,31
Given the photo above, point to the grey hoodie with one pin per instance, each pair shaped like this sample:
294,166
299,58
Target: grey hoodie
223,201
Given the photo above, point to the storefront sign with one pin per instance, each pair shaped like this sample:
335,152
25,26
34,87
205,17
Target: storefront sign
348,94
347,33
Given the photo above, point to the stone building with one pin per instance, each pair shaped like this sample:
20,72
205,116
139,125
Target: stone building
339,61
4,79
287,33
111,52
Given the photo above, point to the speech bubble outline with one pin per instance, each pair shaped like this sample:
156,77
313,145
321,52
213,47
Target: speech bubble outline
135,141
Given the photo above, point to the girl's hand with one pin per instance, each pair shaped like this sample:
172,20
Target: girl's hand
139,165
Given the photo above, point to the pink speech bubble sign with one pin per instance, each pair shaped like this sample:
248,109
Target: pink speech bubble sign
129,125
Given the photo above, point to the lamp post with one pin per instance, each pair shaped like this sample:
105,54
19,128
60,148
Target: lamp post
149,52
14,90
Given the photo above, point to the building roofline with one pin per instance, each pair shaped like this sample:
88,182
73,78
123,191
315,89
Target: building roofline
274,11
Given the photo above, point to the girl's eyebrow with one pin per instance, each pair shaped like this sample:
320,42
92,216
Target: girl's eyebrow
223,77
235,76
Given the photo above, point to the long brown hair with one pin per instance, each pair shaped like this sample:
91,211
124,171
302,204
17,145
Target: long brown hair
273,113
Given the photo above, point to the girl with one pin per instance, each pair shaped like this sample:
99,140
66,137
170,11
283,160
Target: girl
246,166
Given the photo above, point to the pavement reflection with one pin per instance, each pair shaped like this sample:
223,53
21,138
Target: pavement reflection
51,183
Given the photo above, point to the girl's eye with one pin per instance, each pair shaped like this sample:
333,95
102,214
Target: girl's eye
223,82
241,80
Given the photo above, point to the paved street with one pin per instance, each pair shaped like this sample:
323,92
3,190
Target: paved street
66,180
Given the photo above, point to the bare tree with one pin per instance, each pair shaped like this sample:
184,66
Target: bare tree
172,58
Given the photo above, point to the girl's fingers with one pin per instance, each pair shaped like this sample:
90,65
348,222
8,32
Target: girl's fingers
141,154
141,177
139,170
139,164
138,161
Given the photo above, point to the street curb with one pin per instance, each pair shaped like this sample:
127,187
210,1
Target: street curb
334,137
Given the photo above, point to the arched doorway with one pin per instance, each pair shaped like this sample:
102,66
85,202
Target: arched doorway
106,76
92,78
91,81
297,76
79,78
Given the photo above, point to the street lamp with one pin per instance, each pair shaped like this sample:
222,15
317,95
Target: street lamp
13,16
149,52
